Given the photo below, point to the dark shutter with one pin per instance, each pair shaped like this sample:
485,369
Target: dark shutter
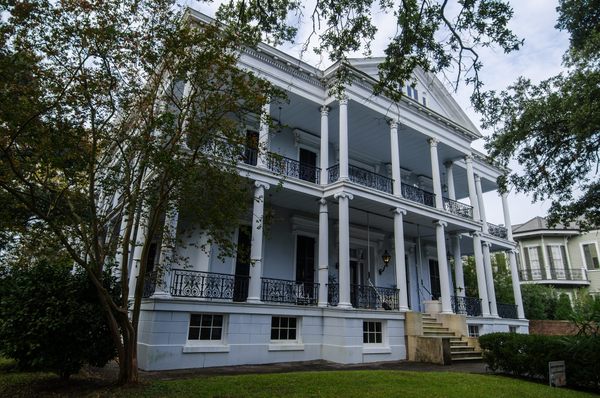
551,260
542,263
527,263
563,252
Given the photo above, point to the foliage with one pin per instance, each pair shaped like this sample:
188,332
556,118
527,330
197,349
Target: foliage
528,355
539,301
563,307
502,278
586,314
553,128
57,325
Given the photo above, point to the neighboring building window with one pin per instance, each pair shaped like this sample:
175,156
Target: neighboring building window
284,328
206,327
473,330
534,259
372,332
556,256
590,253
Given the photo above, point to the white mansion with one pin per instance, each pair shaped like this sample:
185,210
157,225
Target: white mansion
374,199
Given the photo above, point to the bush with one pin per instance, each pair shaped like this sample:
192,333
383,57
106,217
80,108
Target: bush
528,356
539,302
50,320
563,308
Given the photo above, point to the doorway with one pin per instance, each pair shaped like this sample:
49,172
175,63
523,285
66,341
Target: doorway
308,165
242,264
434,278
305,264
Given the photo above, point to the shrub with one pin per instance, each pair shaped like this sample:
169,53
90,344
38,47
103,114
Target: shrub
50,320
528,356
563,307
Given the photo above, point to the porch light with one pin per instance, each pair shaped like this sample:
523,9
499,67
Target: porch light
386,260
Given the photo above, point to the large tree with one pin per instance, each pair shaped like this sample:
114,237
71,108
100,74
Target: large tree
553,128
113,112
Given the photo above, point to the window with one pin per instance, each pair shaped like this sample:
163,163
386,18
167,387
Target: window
372,332
409,91
424,101
473,330
512,329
283,328
207,327
534,259
590,253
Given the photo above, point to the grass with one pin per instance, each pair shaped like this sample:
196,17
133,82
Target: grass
362,383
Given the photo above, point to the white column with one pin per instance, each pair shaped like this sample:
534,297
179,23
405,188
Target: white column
140,239
480,203
512,261
450,180
459,278
395,152
263,136
256,247
480,271
324,144
343,139
344,253
435,173
167,251
507,224
323,252
443,267
472,190
401,284
489,277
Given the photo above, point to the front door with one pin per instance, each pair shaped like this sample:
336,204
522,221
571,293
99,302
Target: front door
242,264
305,265
434,278
308,165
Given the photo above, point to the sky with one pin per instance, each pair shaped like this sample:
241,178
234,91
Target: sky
539,58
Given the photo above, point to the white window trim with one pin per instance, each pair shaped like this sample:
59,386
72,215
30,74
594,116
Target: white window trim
198,346
560,255
287,345
528,265
583,260
377,348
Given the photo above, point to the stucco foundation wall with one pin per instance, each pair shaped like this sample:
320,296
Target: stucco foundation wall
330,334
493,325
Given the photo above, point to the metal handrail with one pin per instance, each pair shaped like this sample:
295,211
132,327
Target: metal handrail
507,310
293,168
365,296
418,195
362,177
470,306
288,291
497,230
211,285
458,208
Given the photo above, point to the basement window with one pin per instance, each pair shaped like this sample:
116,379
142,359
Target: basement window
372,332
205,327
284,328
473,330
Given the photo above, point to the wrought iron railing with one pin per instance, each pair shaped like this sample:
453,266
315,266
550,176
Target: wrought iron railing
286,291
507,310
497,230
555,274
366,296
209,285
458,208
470,306
250,156
149,285
418,195
293,168
362,177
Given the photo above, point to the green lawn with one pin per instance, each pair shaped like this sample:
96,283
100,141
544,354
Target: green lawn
343,384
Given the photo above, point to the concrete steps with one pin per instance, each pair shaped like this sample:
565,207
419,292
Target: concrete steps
460,350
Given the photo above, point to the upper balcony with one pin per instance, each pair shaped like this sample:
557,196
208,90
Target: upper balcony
555,276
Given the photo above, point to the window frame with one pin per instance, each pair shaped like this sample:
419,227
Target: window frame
380,333
476,333
210,341
297,328
584,260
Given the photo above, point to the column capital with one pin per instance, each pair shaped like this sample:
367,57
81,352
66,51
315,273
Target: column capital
476,234
433,142
513,251
487,244
324,110
441,223
456,235
399,210
449,163
343,100
262,184
323,202
469,158
393,123
477,178
346,195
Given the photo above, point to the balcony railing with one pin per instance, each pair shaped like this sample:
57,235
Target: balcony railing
470,306
496,230
293,168
418,195
362,177
209,285
555,274
366,296
250,156
458,208
507,310
291,292
149,285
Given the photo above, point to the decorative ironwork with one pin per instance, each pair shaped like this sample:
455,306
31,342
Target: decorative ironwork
364,296
556,274
149,285
286,291
418,195
470,306
293,168
333,173
362,177
250,156
208,285
507,310
496,230
458,208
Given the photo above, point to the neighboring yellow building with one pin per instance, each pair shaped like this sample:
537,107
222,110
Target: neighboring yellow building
561,256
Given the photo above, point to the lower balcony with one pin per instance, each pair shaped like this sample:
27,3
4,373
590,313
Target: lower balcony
366,297
507,310
289,292
470,306
208,285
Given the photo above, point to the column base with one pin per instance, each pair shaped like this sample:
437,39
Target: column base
253,300
345,306
404,309
322,305
161,295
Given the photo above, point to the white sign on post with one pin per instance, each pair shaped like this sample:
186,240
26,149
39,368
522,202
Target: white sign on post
557,373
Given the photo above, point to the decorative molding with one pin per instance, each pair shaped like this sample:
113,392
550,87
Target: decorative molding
324,110
433,142
440,223
262,184
347,195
